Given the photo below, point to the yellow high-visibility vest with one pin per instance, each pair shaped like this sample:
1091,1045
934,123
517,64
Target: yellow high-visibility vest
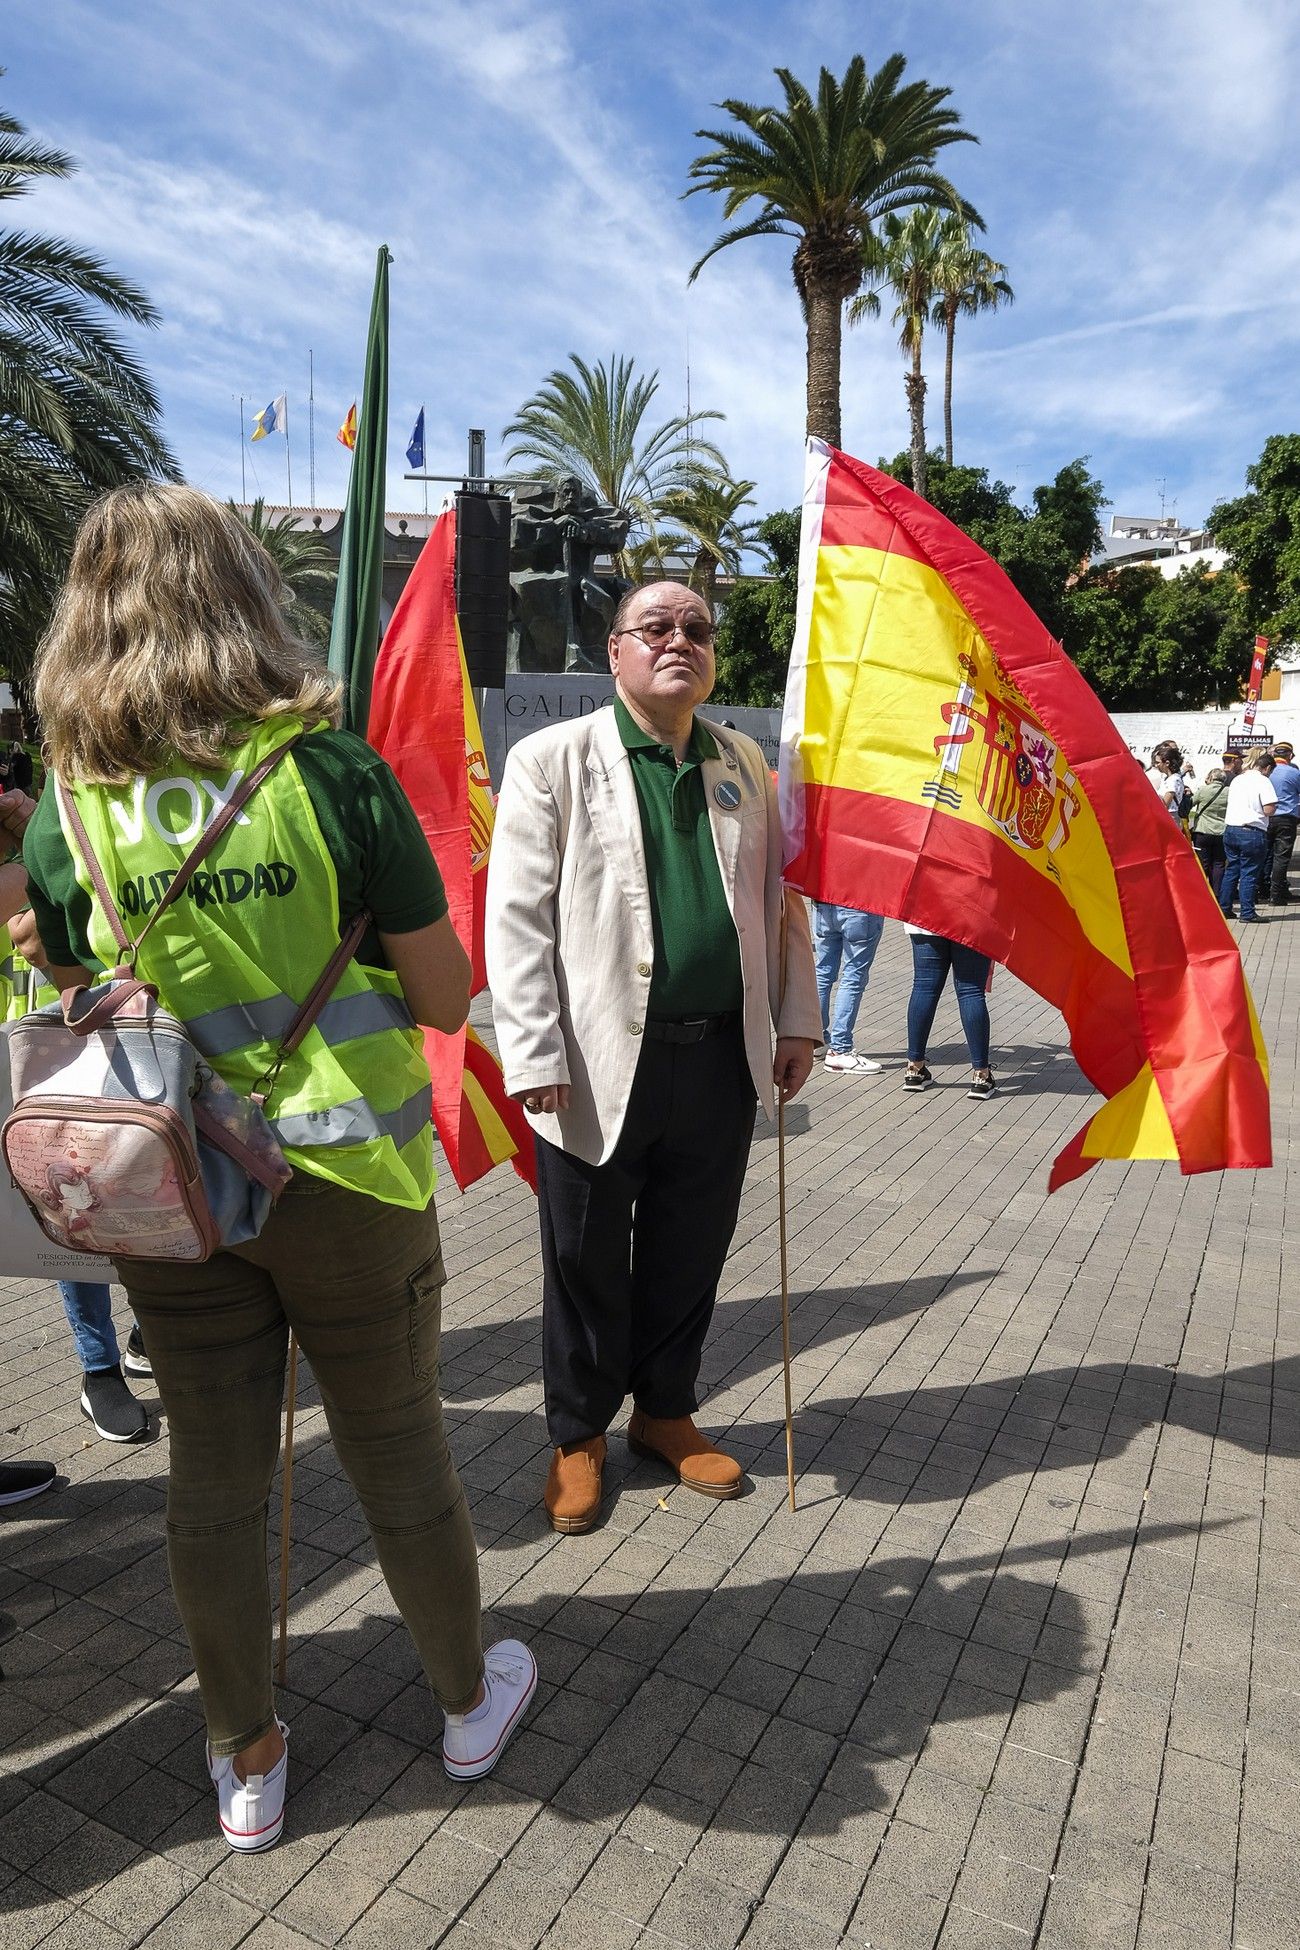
243,946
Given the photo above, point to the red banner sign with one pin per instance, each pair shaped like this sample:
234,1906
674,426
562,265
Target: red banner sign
1256,680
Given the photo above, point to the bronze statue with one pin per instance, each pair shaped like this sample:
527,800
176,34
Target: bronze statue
560,611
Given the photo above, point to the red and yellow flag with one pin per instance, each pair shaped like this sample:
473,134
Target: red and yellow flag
347,433
423,721
944,762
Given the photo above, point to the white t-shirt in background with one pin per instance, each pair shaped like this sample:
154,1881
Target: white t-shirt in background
1251,799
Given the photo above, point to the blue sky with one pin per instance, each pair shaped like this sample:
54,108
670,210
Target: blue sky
1138,171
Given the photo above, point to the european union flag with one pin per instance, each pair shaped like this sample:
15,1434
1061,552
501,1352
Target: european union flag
415,445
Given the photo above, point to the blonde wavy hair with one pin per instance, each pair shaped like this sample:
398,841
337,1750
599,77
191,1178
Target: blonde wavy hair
168,641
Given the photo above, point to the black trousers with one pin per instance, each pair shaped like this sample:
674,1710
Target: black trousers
1282,832
632,1250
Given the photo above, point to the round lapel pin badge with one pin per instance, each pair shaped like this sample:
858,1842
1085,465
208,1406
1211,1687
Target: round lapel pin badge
727,795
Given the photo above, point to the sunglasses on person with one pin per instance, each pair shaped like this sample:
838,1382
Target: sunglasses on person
658,631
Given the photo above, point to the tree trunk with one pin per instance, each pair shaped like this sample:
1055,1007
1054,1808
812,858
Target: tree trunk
824,313
914,382
950,326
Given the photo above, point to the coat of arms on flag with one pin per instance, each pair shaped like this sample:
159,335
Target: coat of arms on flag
943,761
1015,769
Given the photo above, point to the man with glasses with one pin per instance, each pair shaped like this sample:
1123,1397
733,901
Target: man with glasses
639,963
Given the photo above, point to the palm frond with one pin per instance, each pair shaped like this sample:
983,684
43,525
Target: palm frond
78,412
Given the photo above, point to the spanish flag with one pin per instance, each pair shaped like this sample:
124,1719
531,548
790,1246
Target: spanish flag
347,433
944,762
423,721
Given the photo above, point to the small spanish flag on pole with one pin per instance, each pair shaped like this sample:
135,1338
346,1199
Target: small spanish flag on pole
943,761
347,433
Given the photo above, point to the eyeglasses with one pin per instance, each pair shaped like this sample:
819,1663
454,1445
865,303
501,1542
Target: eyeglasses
656,633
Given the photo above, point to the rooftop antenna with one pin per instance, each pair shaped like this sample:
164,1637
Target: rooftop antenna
1160,485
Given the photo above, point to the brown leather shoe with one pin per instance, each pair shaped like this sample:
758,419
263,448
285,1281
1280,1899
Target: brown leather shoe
691,1456
573,1487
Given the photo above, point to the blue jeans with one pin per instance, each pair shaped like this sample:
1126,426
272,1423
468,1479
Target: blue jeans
1246,849
90,1316
932,957
846,940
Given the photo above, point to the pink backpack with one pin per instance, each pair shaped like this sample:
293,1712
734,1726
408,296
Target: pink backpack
122,1138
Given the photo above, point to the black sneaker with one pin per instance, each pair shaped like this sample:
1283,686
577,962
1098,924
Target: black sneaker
135,1360
111,1406
982,1086
19,1480
917,1079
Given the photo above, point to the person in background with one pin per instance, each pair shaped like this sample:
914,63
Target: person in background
20,1481
169,670
1251,800
845,940
934,957
20,767
106,1400
1285,781
1166,775
1209,807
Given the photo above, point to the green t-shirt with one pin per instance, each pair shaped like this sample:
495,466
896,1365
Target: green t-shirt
377,845
697,950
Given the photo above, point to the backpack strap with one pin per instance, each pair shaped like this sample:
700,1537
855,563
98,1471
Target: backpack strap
308,1010
323,987
193,860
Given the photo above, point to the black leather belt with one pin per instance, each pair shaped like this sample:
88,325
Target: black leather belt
693,1030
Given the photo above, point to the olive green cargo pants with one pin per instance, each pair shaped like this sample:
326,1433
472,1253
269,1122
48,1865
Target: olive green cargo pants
360,1284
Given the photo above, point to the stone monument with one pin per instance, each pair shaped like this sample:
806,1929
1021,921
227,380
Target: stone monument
560,610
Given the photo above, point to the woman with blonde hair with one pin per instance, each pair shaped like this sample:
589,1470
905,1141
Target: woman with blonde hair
167,676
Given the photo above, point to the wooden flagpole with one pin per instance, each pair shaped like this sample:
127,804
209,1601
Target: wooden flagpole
785,1268
287,1508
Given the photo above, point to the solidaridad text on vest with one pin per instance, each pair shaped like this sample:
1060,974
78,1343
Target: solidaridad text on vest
220,886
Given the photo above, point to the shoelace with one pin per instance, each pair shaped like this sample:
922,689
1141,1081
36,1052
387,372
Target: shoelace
509,1668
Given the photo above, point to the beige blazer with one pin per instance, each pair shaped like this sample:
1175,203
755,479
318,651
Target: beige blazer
570,945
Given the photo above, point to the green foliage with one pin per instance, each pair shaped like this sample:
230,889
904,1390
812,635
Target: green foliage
1040,548
589,423
1143,642
707,526
1261,532
77,412
1150,643
757,625
308,569
824,171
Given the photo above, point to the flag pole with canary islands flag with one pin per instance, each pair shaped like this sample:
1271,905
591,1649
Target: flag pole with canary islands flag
943,762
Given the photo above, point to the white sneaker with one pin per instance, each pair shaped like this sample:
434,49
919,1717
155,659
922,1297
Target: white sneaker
473,1743
850,1060
251,1811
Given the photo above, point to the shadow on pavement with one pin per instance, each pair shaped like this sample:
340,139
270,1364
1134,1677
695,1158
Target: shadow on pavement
757,1708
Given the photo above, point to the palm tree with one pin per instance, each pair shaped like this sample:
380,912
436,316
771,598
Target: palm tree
906,257
77,411
307,564
826,172
708,513
591,425
969,281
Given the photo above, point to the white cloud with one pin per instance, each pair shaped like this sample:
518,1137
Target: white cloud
526,163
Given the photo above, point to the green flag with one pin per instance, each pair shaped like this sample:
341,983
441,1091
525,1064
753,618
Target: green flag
354,628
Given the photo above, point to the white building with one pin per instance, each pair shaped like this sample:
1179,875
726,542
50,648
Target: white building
1157,542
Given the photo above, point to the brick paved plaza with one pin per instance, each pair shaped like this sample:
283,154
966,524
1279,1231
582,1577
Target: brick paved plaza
1020,1670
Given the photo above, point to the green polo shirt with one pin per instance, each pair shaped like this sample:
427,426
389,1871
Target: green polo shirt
697,952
